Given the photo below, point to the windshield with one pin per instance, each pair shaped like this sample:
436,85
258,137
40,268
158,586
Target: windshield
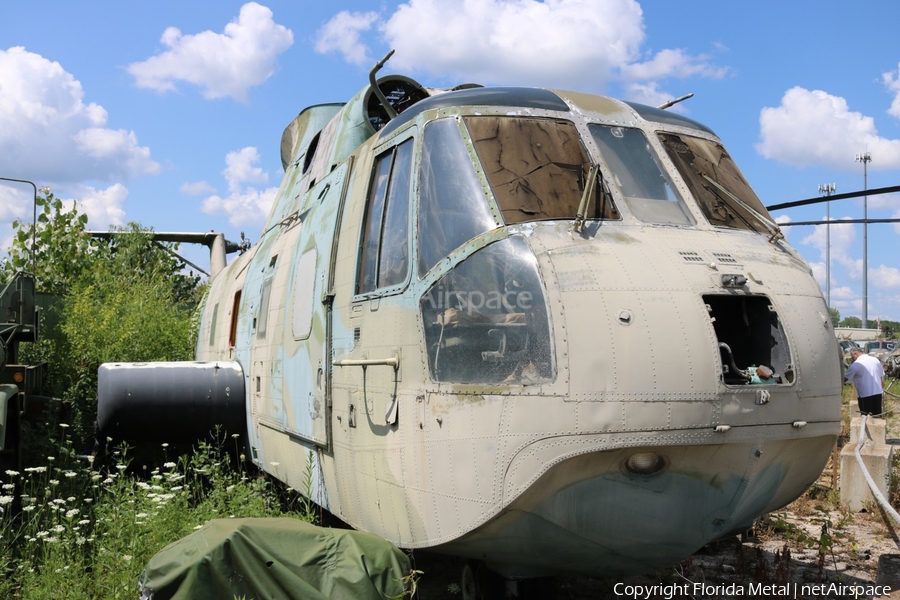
636,171
537,168
723,194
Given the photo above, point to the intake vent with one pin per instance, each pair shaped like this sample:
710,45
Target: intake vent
691,257
725,258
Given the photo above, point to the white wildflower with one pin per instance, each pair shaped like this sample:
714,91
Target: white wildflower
169,465
72,512
5,500
12,473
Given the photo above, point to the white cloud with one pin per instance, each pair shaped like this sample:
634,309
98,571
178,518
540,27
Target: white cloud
222,64
649,94
564,43
103,207
892,82
244,205
885,277
673,63
816,128
49,135
196,188
341,34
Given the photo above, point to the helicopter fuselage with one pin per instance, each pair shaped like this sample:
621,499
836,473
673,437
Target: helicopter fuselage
552,331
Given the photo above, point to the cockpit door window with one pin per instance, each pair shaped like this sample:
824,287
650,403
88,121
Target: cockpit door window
385,247
453,208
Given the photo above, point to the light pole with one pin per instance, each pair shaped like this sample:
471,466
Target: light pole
865,159
827,189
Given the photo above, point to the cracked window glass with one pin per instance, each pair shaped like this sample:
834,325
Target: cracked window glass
537,168
698,159
486,320
645,186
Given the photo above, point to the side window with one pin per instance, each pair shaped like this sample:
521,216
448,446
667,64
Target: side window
263,318
452,206
304,292
384,259
212,325
235,309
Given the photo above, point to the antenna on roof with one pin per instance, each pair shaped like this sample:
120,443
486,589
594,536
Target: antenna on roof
666,105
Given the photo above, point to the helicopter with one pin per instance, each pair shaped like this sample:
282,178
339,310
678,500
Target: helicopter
542,329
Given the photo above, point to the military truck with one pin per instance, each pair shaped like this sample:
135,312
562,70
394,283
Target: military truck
21,385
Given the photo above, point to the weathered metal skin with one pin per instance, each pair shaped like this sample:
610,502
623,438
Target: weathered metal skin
622,442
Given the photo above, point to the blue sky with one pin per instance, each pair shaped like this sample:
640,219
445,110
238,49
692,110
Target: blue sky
171,113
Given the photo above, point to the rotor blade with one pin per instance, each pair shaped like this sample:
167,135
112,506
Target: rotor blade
839,222
872,192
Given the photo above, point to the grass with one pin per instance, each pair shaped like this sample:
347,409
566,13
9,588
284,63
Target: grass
73,528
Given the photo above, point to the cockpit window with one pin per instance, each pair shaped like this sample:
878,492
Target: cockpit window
636,171
537,168
725,197
452,206
486,320
385,249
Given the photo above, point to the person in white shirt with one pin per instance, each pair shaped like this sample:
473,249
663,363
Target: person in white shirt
867,374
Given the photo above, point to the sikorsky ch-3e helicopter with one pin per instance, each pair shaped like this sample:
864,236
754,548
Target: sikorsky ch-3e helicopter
552,331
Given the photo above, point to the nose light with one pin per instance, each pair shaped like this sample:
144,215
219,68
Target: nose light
731,280
645,463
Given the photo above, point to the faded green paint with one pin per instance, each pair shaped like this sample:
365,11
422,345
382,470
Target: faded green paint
519,473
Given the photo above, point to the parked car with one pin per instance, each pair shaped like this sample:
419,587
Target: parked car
880,349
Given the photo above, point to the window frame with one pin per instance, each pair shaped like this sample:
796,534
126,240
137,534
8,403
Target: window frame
391,148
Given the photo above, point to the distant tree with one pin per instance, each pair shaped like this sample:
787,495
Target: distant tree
62,249
835,316
854,322
889,328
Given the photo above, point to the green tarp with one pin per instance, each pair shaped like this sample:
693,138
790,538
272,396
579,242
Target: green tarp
261,559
